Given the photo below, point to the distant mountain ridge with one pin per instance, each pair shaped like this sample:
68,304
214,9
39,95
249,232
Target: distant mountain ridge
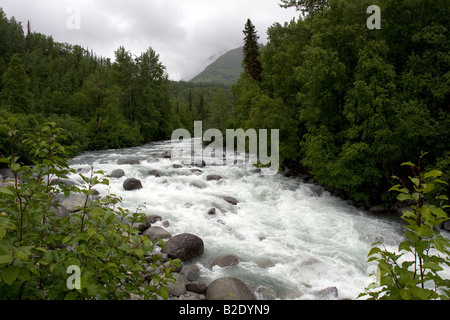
225,70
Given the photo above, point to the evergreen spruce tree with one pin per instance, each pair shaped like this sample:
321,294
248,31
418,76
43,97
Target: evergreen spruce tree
15,95
201,108
252,65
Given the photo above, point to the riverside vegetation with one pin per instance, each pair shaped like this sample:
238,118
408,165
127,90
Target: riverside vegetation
351,105
37,245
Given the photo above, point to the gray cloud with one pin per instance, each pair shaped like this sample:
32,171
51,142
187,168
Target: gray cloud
184,33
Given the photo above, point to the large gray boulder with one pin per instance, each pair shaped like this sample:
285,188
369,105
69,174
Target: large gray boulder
118,173
229,288
184,246
132,184
155,233
76,202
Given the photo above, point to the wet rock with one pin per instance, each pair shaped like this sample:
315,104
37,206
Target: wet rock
75,202
199,164
6,174
196,171
179,287
118,173
198,184
225,261
177,166
153,173
166,224
167,155
230,200
62,181
192,273
132,184
446,225
327,293
155,233
212,211
213,177
228,288
377,209
153,218
130,161
196,286
141,226
184,246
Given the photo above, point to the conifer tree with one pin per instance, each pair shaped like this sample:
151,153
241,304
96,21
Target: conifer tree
15,95
252,65
201,108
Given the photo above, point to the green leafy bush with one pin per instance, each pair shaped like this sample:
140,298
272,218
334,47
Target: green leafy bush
413,272
38,247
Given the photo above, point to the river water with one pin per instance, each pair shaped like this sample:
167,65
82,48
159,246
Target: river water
292,239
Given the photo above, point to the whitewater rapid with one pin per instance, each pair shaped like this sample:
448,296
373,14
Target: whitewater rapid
292,239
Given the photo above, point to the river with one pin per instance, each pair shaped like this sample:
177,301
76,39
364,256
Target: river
292,239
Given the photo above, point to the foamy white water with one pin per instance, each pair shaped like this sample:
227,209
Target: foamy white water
292,238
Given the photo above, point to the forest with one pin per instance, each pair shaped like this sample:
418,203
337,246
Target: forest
351,103
102,104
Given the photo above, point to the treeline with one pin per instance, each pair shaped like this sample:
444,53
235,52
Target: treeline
102,104
353,103
213,104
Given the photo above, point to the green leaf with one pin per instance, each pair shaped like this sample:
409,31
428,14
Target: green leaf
432,266
9,275
66,239
2,233
34,270
163,292
6,259
404,196
373,251
409,163
139,252
433,173
6,191
15,166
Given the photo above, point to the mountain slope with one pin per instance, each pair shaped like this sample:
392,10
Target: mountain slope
226,69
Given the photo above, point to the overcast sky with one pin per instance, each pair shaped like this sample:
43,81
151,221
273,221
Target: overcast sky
185,33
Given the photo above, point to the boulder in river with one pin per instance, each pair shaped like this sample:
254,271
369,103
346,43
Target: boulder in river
229,288
327,293
184,246
62,181
230,200
118,173
227,260
155,233
167,155
130,161
132,184
154,173
213,177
